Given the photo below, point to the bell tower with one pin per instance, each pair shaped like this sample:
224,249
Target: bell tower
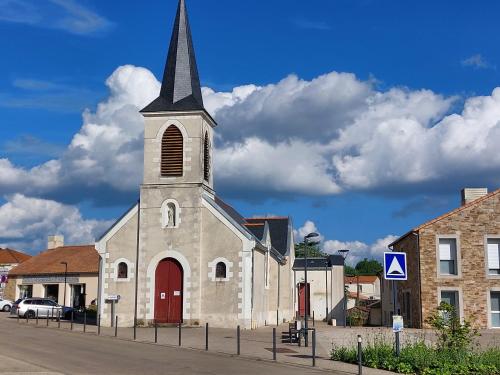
178,135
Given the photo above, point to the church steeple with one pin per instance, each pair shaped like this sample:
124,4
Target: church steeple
180,89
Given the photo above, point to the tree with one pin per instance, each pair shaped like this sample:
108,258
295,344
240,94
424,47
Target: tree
349,270
313,251
369,267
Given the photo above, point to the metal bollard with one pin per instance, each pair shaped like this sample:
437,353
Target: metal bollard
52,314
36,316
98,324
72,318
18,314
274,344
58,319
314,347
135,329
360,356
398,350
180,333
238,341
116,326
84,321
47,318
206,336
156,331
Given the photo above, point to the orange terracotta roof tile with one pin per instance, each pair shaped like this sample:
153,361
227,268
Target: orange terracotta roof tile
9,256
361,280
80,259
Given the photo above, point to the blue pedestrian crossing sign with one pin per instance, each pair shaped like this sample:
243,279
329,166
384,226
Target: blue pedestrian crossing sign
395,266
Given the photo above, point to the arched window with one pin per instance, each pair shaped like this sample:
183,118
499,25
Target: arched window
122,270
172,152
206,158
220,270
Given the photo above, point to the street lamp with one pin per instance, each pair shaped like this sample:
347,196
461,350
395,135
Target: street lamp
343,253
65,278
310,239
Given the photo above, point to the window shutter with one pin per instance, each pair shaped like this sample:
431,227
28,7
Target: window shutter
445,250
493,254
172,153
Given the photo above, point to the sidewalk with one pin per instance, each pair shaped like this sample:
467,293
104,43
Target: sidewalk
255,344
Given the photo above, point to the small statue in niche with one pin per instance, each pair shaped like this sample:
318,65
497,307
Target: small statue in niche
170,215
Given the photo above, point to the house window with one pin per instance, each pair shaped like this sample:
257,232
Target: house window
122,270
448,256
495,309
220,270
493,245
206,158
172,152
451,297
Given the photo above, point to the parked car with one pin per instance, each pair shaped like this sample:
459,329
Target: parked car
5,305
28,308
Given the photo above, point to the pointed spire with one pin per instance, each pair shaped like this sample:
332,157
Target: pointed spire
180,89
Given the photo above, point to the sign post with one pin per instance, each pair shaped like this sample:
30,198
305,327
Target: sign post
397,327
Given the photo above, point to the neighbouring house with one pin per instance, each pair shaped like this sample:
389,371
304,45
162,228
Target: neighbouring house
181,254
66,274
454,258
367,286
324,279
9,259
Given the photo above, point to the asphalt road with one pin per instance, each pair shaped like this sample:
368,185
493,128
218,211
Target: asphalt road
38,350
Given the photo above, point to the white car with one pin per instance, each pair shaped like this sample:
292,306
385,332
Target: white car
5,305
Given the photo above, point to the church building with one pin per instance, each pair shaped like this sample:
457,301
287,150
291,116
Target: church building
181,254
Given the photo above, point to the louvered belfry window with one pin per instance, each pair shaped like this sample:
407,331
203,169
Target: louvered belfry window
206,158
172,152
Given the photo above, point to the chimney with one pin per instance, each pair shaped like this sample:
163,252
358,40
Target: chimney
471,194
55,241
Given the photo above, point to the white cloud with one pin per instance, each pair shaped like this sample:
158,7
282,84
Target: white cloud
65,15
308,227
332,134
26,222
477,62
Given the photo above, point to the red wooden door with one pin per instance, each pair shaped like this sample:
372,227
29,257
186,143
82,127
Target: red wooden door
168,291
302,299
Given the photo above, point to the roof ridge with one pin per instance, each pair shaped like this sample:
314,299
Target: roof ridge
267,218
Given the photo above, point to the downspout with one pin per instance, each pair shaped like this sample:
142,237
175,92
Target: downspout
99,286
253,289
137,260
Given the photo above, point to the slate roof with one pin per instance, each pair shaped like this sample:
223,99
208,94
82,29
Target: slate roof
180,89
9,256
278,229
80,259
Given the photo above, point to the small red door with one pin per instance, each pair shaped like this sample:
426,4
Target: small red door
168,291
302,299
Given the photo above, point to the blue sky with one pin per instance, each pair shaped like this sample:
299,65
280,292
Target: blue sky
57,55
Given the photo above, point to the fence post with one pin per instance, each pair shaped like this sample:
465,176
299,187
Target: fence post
180,333
116,326
135,329
314,321
238,343
314,347
36,316
98,324
274,344
52,314
18,314
277,318
72,319
47,318
206,336
360,356
58,319
156,332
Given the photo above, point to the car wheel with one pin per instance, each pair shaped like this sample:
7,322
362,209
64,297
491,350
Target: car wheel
30,314
6,308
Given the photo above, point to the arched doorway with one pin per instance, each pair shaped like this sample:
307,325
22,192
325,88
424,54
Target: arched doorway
168,291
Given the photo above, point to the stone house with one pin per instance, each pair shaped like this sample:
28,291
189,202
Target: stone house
368,287
454,258
66,274
181,254
9,259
